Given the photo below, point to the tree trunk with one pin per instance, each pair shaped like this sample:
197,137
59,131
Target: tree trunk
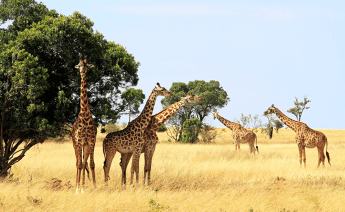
270,132
4,168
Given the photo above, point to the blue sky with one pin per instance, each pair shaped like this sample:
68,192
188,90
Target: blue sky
261,52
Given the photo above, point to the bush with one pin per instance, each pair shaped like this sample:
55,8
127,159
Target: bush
110,127
208,134
162,128
191,129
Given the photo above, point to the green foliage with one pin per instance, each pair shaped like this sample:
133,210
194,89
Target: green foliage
154,205
214,98
162,128
191,129
299,107
112,127
132,99
39,86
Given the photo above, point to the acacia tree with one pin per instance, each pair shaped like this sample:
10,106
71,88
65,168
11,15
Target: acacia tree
215,97
299,107
39,86
132,99
250,121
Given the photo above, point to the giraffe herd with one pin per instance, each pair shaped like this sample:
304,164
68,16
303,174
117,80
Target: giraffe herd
140,135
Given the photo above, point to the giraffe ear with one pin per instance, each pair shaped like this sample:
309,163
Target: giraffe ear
90,65
77,66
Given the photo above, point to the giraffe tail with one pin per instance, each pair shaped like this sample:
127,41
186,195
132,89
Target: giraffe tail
104,151
87,170
257,148
327,154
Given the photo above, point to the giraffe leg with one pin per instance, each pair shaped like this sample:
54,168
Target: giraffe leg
86,156
135,163
147,156
123,168
321,156
109,156
251,147
125,160
128,159
92,164
78,155
304,158
150,165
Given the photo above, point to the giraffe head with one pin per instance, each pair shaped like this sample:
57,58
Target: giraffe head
82,66
270,110
215,114
190,99
161,91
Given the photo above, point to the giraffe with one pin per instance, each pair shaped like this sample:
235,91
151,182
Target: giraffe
151,138
239,133
130,139
84,132
305,136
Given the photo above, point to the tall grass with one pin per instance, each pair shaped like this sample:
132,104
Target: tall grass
198,177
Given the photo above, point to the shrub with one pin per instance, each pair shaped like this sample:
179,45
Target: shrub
162,128
111,127
191,129
208,134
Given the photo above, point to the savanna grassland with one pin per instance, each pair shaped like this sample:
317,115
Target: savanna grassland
185,177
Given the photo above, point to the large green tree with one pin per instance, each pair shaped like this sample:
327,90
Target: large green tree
39,86
215,97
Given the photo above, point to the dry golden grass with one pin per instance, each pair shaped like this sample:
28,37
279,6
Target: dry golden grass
201,177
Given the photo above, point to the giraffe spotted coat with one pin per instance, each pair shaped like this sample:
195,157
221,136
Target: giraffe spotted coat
84,132
239,133
150,135
130,139
305,136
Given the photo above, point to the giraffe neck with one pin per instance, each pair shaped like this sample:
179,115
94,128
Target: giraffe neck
161,117
84,102
145,116
287,121
227,123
